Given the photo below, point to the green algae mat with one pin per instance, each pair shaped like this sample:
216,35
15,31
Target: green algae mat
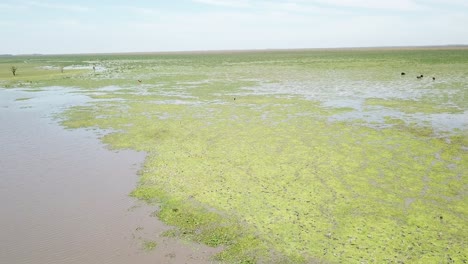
287,156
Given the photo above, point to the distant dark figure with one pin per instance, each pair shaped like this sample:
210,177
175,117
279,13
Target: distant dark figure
234,98
433,78
403,73
420,76
94,68
139,81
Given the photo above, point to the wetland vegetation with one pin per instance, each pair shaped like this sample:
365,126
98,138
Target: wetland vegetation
301,156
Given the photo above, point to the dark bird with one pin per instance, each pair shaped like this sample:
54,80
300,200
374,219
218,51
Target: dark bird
433,78
403,73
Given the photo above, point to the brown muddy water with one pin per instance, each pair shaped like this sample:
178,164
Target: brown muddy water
64,196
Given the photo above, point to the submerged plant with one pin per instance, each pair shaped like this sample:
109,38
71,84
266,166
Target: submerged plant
149,245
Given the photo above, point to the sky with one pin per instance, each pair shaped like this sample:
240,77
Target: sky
105,26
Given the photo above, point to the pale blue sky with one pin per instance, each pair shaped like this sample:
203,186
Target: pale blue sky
87,26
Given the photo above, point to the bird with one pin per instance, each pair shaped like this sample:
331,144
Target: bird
139,81
403,73
433,78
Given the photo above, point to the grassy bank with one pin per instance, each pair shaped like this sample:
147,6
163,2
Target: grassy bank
288,157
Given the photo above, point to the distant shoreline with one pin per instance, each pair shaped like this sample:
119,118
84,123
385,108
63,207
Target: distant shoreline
384,48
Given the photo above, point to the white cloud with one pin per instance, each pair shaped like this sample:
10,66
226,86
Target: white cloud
141,11
372,4
318,6
10,6
64,7
226,3
299,8
462,3
245,24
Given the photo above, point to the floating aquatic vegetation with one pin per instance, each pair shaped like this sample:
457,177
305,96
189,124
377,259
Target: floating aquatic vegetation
244,152
149,245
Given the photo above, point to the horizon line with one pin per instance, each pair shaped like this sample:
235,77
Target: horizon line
216,51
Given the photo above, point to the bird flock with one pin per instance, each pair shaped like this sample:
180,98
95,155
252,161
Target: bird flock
419,76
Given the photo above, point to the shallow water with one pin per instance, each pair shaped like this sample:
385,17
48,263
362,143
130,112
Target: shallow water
342,94
290,144
65,196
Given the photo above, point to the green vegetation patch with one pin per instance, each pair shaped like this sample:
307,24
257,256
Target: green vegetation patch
242,155
264,173
149,245
31,73
23,99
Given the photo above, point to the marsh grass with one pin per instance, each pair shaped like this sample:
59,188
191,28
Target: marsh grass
23,99
269,177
